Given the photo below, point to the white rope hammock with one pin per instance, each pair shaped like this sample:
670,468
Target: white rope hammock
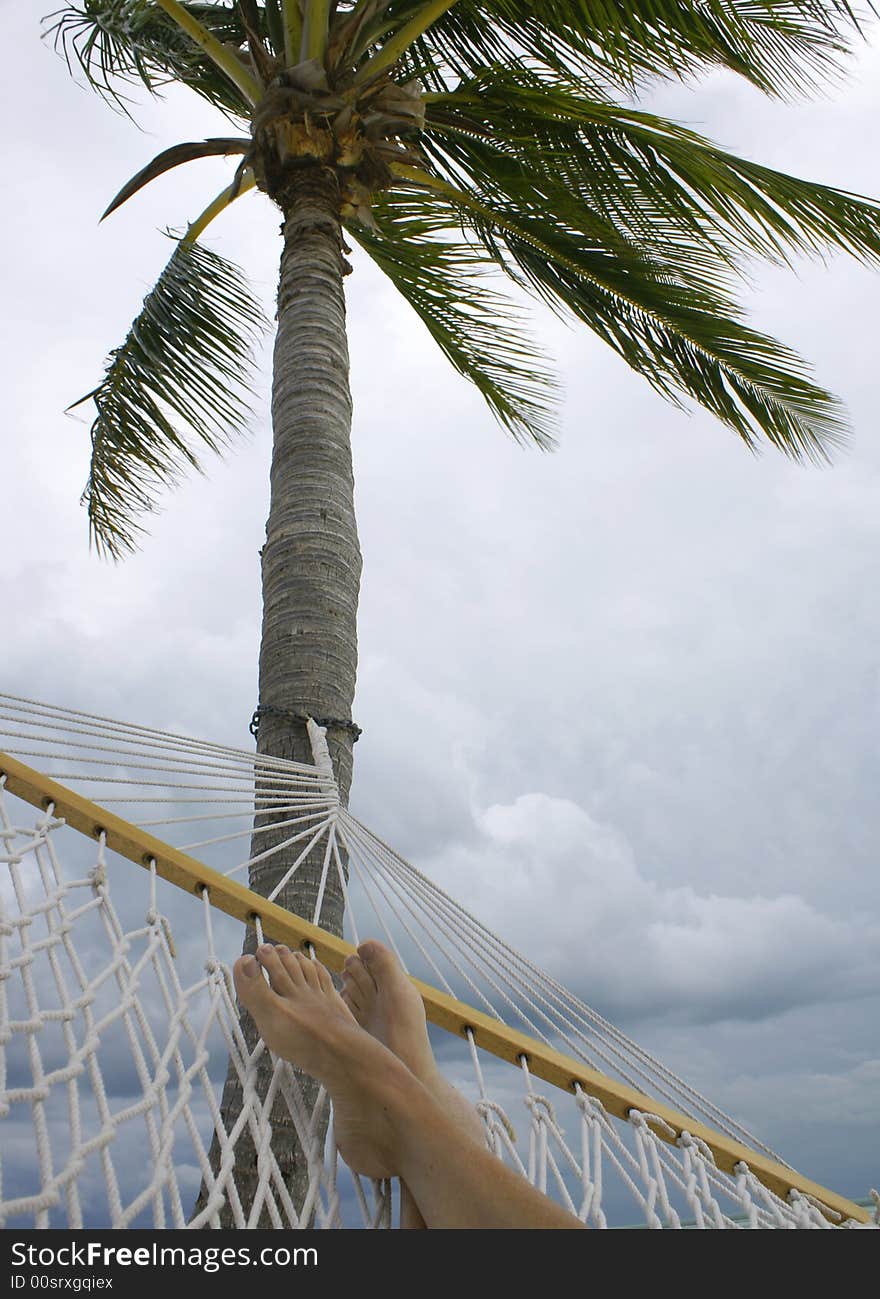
114,1037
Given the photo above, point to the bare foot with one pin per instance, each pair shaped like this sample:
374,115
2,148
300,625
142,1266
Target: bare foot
302,1018
387,1122
383,999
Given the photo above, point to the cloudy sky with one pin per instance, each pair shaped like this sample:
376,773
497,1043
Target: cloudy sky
622,699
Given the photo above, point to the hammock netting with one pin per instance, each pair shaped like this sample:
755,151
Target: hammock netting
118,1019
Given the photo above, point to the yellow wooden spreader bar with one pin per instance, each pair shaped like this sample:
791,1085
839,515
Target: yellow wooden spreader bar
456,1016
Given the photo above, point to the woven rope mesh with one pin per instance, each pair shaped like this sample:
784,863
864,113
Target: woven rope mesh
117,1017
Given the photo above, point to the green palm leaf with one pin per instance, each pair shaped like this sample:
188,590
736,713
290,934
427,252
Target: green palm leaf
654,180
683,342
116,43
781,46
445,281
180,380
175,157
686,339
634,225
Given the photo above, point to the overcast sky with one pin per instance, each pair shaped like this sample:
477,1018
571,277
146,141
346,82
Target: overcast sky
622,700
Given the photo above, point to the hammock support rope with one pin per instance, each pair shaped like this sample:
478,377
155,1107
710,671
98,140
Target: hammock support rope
303,800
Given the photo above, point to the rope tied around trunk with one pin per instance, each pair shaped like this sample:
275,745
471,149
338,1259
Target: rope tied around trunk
331,723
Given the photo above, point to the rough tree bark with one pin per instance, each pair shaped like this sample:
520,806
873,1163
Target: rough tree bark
311,566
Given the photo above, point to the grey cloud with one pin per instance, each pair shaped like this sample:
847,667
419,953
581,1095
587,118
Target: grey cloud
640,947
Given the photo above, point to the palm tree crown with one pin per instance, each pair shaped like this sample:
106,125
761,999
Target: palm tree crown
468,137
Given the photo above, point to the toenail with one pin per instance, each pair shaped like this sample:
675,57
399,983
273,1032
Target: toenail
249,967
282,947
266,950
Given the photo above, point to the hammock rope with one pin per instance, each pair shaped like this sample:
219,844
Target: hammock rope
89,993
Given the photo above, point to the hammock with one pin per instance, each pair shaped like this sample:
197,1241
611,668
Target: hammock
114,1035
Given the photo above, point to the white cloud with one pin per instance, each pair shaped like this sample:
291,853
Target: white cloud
846,1097
572,895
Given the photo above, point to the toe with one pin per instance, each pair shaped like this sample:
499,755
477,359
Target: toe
379,960
308,969
360,977
291,965
351,996
324,980
251,988
283,977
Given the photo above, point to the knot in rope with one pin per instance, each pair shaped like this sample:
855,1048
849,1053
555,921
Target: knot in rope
588,1105
689,1142
485,1108
161,924
538,1103
640,1120
803,1197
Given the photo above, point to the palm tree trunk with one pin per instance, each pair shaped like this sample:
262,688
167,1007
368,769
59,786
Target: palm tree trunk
311,577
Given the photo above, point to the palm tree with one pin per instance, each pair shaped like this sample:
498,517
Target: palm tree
457,142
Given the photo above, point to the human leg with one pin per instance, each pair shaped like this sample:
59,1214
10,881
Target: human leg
388,1123
385,1002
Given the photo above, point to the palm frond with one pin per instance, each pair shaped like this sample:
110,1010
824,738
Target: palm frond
687,340
642,172
445,279
782,46
118,43
175,157
181,380
683,342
